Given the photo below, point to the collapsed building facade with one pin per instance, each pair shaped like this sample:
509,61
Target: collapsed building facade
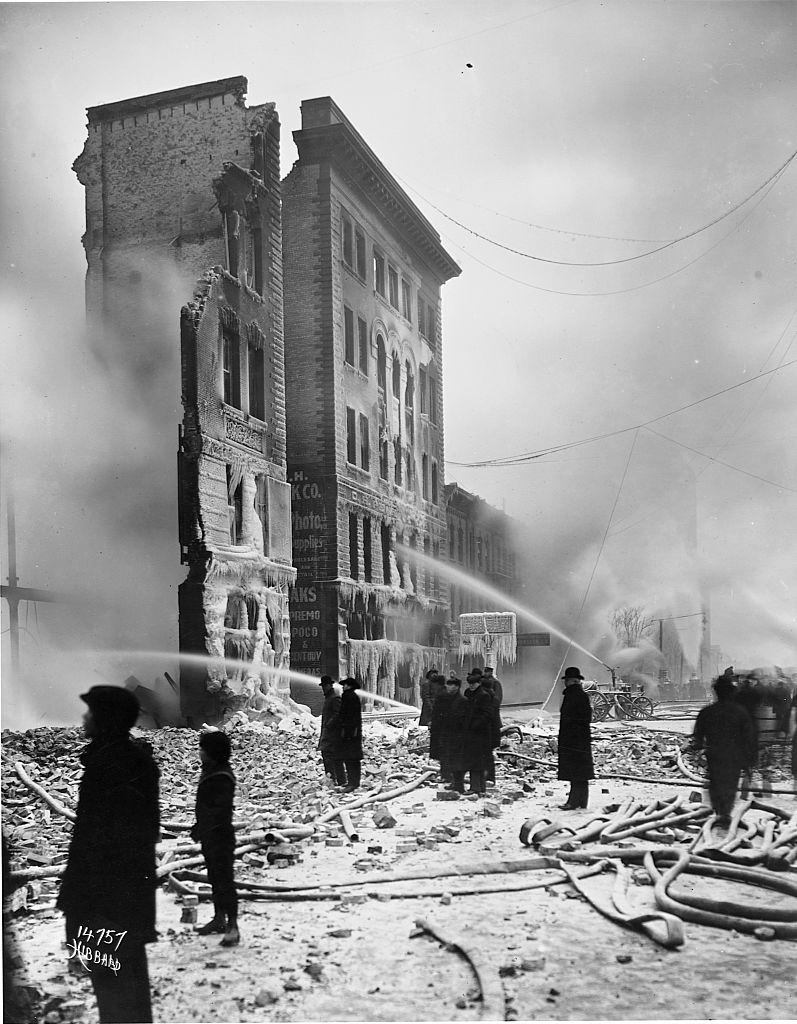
183,203
364,271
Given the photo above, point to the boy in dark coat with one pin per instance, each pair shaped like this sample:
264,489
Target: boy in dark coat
329,740
575,740
214,830
108,886
351,733
727,733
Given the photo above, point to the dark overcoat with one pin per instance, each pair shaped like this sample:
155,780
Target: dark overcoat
728,735
351,727
575,736
109,880
478,730
445,729
215,795
329,740
427,703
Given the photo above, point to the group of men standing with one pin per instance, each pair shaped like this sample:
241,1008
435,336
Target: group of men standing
464,727
341,739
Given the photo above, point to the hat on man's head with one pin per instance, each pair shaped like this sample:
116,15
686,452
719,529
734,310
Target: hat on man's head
455,680
114,708
723,684
432,672
573,672
327,681
349,682
475,676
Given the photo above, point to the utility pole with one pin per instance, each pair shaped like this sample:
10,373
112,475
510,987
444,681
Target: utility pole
12,592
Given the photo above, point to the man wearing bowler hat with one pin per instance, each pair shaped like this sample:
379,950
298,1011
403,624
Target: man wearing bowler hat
329,742
108,887
575,740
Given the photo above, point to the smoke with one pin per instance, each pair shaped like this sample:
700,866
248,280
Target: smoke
89,456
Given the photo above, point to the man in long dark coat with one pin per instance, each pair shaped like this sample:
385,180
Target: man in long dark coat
329,740
351,733
427,697
575,740
478,732
108,887
725,731
445,731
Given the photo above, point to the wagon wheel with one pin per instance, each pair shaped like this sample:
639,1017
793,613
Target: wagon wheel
645,704
626,706
600,705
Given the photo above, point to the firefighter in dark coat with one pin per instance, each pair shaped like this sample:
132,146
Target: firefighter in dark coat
351,733
108,886
445,730
575,740
725,731
478,732
329,740
215,795
427,697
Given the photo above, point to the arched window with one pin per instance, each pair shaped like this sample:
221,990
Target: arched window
409,404
396,376
381,365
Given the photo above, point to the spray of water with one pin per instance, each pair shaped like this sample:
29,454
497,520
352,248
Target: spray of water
234,664
501,600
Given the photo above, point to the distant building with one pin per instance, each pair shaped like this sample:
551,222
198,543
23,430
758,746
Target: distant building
364,271
183,187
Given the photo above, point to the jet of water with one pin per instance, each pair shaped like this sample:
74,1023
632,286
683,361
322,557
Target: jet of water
502,601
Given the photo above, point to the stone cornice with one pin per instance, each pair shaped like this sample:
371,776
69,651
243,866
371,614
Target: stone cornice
347,151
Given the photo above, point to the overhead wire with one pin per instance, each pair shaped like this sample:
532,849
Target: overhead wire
624,259
616,291
529,456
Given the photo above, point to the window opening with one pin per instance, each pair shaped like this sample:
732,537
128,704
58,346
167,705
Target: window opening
257,382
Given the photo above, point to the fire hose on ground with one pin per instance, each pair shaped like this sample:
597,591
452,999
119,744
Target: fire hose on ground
731,857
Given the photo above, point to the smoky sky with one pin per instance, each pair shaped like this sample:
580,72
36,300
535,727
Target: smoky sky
573,133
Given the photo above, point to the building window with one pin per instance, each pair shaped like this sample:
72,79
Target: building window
351,437
347,241
381,365
354,544
409,405
359,252
379,272
426,572
367,551
383,464
451,541
257,382
460,546
235,506
261,507
425,476
422,389
257,260
421,315
432,400
396,376
362,339
410,483
231,369
406,300
397,465
348,335
365,442
385,538
434,483
392,286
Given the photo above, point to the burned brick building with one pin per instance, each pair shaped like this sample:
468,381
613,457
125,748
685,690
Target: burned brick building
183,211
364,271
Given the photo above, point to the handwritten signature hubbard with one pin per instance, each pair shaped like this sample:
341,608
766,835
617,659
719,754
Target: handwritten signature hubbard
87,947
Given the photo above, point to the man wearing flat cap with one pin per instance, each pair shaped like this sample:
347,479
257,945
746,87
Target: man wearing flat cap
108,887
575,740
